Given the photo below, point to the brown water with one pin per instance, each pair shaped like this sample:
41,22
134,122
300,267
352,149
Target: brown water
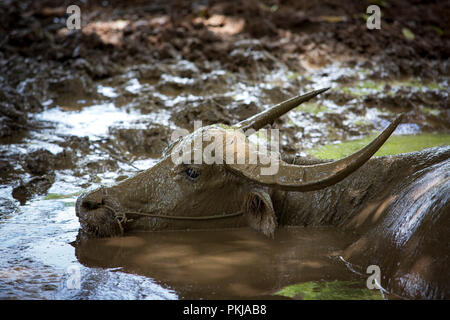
38,252
223,264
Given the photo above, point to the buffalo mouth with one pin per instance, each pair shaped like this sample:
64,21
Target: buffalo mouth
98,215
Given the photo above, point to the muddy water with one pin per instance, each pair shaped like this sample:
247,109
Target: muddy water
39,255
235,263
37,259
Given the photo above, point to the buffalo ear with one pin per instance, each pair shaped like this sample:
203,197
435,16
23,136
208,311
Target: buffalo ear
258,210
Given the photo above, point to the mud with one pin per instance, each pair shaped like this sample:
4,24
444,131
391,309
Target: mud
84,108
35,186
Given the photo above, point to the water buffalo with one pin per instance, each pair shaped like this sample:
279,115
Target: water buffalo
195,194
397,204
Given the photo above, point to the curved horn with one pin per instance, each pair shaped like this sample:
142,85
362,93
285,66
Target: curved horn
259,120
314,177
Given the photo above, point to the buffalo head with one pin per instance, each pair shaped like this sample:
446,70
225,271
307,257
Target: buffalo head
225,188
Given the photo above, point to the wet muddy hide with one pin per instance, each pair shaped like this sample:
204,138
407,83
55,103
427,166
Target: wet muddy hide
399,206
410,241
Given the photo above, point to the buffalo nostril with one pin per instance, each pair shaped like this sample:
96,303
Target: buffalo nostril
90,204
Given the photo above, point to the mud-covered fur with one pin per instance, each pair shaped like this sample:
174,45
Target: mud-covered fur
101,218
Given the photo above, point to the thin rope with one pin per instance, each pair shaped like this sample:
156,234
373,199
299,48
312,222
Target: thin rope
221,216
121,217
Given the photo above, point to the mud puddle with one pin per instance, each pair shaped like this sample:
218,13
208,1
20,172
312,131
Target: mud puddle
224,264
39,262
39,256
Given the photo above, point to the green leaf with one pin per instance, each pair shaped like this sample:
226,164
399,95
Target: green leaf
438,30
408,34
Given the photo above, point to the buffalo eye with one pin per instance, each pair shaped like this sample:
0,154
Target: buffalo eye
192,174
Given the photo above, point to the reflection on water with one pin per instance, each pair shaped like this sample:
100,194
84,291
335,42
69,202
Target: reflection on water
95,121
233,263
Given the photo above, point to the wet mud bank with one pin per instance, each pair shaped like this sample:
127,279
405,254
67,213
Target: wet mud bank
91,107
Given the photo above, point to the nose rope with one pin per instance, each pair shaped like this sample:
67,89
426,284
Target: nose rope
219,216
121,217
